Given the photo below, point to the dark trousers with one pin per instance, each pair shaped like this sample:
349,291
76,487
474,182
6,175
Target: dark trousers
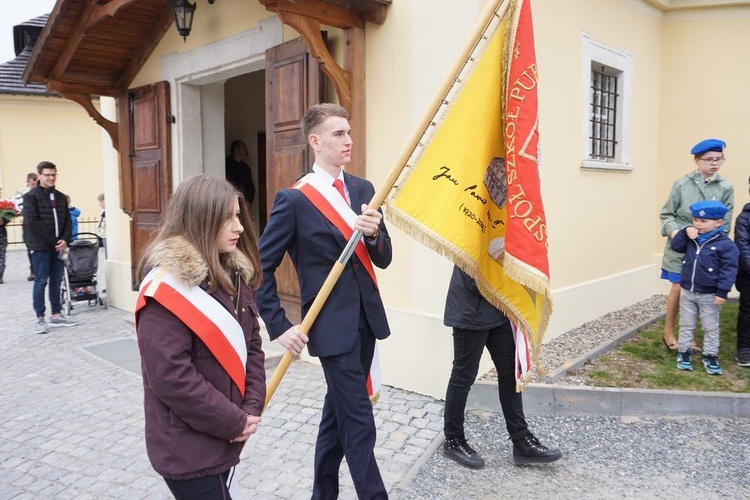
743,321
31,263
202,488
3,248
47,267
468,346
347,425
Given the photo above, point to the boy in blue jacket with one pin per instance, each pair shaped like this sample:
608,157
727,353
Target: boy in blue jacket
709,269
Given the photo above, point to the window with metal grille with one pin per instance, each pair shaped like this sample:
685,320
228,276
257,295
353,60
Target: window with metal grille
603,138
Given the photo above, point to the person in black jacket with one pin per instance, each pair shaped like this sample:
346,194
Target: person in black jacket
47,231
742,240
478,324
237,171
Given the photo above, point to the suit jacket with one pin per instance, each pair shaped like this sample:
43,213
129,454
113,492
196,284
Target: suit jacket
314,245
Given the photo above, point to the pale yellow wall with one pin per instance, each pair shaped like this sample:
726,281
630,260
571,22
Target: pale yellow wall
33,129
596,208
601,224
704,89
211,23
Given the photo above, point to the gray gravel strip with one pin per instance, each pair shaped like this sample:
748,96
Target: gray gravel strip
604,457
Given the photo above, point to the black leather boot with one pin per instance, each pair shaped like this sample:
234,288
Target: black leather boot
528,450
459,450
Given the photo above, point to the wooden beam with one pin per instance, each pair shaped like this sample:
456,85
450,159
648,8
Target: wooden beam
323,12
310,30
73,41
85,101
103,11
147,47
354,61
86,88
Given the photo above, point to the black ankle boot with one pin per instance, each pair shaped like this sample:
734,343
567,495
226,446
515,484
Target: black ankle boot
528,450
459,450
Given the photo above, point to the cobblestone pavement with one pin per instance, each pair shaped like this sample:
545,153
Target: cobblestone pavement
71,421
71,427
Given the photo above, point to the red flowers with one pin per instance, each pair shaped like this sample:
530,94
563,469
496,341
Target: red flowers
8,210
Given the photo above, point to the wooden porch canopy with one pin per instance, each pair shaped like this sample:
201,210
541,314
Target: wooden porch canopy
97,47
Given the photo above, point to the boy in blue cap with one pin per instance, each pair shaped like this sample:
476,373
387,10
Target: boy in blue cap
709,269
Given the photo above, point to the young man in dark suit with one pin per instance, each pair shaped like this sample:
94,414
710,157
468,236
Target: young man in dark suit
312,222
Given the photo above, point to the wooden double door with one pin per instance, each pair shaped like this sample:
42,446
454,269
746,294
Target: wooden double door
294,82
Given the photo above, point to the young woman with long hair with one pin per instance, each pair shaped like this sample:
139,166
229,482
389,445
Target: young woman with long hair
199,338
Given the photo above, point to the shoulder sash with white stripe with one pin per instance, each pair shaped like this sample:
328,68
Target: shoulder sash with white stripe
334,208
206,317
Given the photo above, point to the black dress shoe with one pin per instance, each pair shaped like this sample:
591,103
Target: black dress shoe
528,450
459,450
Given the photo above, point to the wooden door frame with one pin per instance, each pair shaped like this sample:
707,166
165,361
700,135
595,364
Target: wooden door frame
349,82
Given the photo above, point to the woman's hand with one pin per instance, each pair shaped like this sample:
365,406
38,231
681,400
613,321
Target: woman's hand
250,427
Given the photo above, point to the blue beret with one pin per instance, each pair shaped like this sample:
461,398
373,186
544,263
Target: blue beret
708,209
708,145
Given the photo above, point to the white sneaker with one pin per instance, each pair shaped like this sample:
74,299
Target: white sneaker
41,326
62,321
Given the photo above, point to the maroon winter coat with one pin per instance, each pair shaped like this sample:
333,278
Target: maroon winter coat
193,409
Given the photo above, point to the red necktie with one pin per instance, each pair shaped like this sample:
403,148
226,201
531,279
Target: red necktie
339,185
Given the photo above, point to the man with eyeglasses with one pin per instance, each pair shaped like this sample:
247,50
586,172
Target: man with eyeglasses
47,228
703,183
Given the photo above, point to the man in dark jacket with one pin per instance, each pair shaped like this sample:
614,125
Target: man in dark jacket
47,229
478,324
237,171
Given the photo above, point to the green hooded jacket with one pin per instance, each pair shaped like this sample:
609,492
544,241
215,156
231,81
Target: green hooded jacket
675,214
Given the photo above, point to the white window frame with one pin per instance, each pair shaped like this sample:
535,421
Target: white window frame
594,53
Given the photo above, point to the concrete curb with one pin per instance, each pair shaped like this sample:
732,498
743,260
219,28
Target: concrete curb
551,399
545,399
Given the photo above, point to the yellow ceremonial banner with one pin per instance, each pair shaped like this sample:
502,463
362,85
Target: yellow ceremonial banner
470,189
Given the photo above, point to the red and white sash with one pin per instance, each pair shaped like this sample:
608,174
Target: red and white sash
206,317
523,361
338,212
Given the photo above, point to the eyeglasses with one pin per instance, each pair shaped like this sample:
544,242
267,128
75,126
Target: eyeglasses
717,159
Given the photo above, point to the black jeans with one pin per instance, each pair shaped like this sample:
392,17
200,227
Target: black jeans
743,321
202,488
468,346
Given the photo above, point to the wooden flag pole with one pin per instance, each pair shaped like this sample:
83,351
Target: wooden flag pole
492,9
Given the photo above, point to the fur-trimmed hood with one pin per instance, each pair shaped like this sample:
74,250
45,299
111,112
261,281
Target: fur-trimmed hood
181,260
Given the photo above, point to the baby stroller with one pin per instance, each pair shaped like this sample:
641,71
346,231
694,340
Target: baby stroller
79,281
